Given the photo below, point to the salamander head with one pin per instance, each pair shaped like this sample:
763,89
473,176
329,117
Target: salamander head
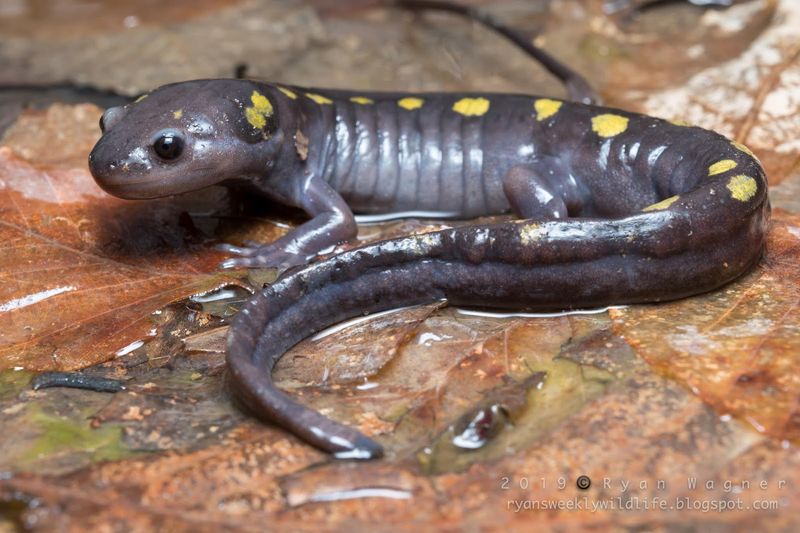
184,137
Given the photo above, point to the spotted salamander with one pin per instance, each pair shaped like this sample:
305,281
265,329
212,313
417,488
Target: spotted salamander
614,207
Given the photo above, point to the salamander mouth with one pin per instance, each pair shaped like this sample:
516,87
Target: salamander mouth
139,189
124,177
143,180
115,179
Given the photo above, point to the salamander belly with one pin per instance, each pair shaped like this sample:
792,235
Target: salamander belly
441,153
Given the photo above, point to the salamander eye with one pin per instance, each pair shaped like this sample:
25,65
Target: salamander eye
168,146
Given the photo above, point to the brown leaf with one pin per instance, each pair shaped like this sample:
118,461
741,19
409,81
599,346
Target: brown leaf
84,271
653,51
736,348
364,346
59,136
174,453
754,99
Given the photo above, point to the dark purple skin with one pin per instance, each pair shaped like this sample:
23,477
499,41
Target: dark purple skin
586,241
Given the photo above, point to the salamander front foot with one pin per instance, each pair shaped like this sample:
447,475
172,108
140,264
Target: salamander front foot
265,256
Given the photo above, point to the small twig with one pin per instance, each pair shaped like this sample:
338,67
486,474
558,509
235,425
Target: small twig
76,380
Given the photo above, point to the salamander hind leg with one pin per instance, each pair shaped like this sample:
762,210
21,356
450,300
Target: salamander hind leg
532,195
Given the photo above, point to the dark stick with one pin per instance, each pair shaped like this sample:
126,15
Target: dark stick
76,380
577,86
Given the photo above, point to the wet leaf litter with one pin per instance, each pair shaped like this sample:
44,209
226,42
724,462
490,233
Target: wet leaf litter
702,387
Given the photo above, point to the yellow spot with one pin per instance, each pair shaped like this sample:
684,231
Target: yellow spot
721,166
608,125
742,148
546,108
260,111
742,187
177,114
663,204
256,119
287,92
410,103
261,103
363,100
318,98
681,123
471,107
529,233
140,99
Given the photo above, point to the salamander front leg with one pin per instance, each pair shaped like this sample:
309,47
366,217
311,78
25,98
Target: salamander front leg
332,222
